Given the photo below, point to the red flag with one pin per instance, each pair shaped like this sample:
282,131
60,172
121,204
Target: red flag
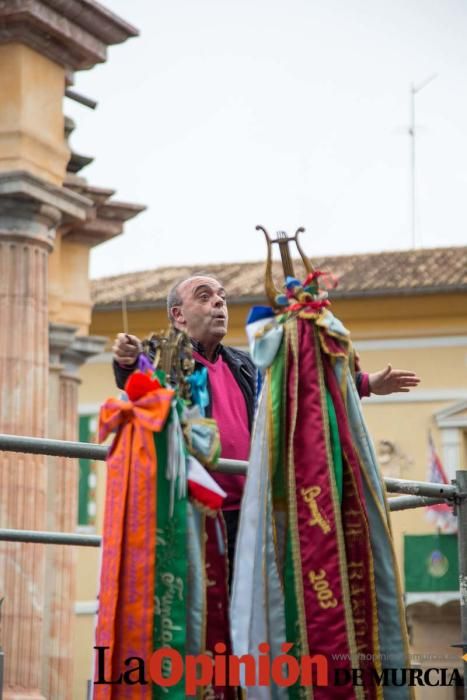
441,514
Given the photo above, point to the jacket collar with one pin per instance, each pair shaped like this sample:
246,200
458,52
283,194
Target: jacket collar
196,345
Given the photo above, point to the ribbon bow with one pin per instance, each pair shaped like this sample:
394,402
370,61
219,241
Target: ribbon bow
309,297
198,382
147,413
309,305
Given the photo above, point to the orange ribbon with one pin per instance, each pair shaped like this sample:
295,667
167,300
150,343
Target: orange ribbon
126,597
149,412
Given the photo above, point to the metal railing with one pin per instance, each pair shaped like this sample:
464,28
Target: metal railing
415,494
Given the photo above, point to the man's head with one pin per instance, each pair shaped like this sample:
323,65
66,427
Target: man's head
198,306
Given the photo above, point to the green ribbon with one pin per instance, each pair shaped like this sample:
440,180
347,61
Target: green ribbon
335,445
277,437
292,624
171,573
279,491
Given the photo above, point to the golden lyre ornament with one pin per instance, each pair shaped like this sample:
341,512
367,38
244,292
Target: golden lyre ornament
283,241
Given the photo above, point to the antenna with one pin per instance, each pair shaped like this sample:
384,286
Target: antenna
414,89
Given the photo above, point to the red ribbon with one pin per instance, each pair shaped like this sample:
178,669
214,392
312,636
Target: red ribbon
330,280
311,305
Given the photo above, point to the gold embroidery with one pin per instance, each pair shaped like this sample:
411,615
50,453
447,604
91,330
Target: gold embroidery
317,518
322,589
356,571
291,361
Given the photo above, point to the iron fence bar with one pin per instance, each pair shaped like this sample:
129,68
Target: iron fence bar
406,502
420,488
86,450
43,537
55,448
63,538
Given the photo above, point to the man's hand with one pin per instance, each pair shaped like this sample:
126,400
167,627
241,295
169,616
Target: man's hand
391,381
126,349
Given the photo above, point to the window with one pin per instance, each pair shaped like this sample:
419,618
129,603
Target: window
87,475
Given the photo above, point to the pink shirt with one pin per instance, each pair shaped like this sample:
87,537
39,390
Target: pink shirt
230,412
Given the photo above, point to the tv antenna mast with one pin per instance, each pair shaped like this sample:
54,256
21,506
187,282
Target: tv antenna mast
414,90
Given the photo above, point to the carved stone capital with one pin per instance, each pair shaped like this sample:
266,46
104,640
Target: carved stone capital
61,337
82,348
107,218
32,221
73,33
32,209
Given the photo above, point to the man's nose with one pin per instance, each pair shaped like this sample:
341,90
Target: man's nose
219,301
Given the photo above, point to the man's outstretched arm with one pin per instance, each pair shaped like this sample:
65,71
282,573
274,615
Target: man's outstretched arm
385,381
392,381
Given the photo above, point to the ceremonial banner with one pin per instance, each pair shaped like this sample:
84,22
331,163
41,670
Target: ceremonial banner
314,534
126,593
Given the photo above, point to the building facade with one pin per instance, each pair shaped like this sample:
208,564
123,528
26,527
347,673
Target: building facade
50,218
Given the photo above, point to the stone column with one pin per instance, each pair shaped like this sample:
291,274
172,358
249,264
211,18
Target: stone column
57,677
42,42
23,378
29,213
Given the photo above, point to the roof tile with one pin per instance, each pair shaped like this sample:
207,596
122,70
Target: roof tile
396,272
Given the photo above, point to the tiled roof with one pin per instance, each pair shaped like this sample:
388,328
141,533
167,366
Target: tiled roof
373,274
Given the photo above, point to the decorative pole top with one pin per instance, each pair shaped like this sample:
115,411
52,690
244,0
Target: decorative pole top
283,240
172,353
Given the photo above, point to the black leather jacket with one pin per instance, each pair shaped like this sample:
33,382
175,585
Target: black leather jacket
239,363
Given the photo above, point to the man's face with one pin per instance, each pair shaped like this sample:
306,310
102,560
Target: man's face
203,311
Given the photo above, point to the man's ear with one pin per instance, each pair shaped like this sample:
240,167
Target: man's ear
177,315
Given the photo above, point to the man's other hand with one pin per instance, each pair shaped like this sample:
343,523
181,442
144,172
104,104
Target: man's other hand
391,381
126,349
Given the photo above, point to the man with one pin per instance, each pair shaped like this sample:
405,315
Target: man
198,306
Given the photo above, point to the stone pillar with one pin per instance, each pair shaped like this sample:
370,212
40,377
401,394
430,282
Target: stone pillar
29,212
42,43
68,354
23,377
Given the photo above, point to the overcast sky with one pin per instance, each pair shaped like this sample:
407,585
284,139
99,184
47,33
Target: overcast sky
225,114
